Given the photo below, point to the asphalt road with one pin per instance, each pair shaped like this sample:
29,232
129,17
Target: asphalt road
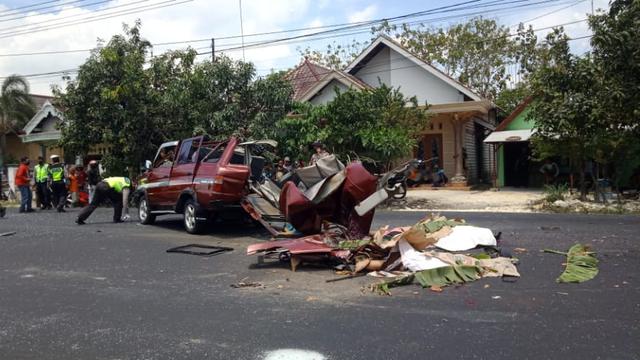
110,291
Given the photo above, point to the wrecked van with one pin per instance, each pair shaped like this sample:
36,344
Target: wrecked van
203,179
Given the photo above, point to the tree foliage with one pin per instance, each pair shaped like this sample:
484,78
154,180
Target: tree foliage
16,108
132,103
380,124
586,106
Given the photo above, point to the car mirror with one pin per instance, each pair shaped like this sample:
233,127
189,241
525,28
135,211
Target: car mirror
147,164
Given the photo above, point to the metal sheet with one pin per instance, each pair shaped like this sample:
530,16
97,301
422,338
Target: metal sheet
509,136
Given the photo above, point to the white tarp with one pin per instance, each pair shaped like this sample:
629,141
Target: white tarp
509,136
465,237
417,261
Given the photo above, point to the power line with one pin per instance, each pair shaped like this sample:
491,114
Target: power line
20,9
261,44
58,19
43,8
345,26
94,18
257,43
550,13
296,38
62,72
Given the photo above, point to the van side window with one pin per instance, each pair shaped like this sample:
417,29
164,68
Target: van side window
216,154
186,153
165,157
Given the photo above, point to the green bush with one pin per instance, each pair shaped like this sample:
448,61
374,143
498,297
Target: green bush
553,193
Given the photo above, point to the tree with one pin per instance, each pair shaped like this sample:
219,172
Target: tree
118,100
108,103
616,53
229,99
379,124
335,56
16,108
567,112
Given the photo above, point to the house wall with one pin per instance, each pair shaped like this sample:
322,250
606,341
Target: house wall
441,124
393,69
518,123
413,80
377,69
17,149
469,144
328,93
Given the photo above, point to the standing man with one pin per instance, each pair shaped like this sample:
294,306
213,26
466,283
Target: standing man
319,153
23,182
93,178
58,185
115,189
288,166
41,171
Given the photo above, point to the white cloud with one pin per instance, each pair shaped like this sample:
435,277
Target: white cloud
199,19
364,14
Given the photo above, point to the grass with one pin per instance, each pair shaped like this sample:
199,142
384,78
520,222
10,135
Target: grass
553,193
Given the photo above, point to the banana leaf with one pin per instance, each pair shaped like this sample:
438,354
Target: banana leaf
456,274
383,288
581,266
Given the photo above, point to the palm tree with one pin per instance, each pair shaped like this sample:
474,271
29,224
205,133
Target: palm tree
16,108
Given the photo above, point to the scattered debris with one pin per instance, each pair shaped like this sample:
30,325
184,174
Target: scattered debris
423,254
519,250
247,284
212,250
497,297
581,264
8,233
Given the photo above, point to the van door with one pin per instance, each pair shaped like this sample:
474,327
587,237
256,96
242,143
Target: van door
231,172
157,178
183,169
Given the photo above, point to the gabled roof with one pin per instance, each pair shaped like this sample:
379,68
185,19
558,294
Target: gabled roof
382,41
305,76
46,109
40,100
514,114
348,80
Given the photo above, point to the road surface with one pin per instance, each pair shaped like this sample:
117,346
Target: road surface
106,291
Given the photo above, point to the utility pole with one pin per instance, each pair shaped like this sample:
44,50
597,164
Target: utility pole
591,7
241,29
213,50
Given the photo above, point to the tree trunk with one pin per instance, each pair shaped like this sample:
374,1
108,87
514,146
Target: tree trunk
583,185
596,187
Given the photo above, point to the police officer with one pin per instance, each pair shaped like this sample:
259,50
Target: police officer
115,189
58,184
42,187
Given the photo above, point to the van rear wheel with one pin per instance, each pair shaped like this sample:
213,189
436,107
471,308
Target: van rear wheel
191,222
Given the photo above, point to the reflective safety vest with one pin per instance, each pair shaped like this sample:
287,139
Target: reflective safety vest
42,172
57,172
118,183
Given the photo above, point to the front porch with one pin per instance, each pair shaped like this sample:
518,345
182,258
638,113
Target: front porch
453,141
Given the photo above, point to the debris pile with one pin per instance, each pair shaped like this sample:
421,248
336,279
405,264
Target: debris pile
427,253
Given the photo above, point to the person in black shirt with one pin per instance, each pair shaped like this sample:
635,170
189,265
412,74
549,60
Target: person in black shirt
93,178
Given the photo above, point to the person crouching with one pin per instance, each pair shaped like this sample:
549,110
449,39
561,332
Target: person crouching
115,189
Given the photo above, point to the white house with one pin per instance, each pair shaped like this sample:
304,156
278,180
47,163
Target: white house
461,118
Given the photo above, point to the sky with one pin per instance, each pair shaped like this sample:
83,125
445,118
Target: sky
35,26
